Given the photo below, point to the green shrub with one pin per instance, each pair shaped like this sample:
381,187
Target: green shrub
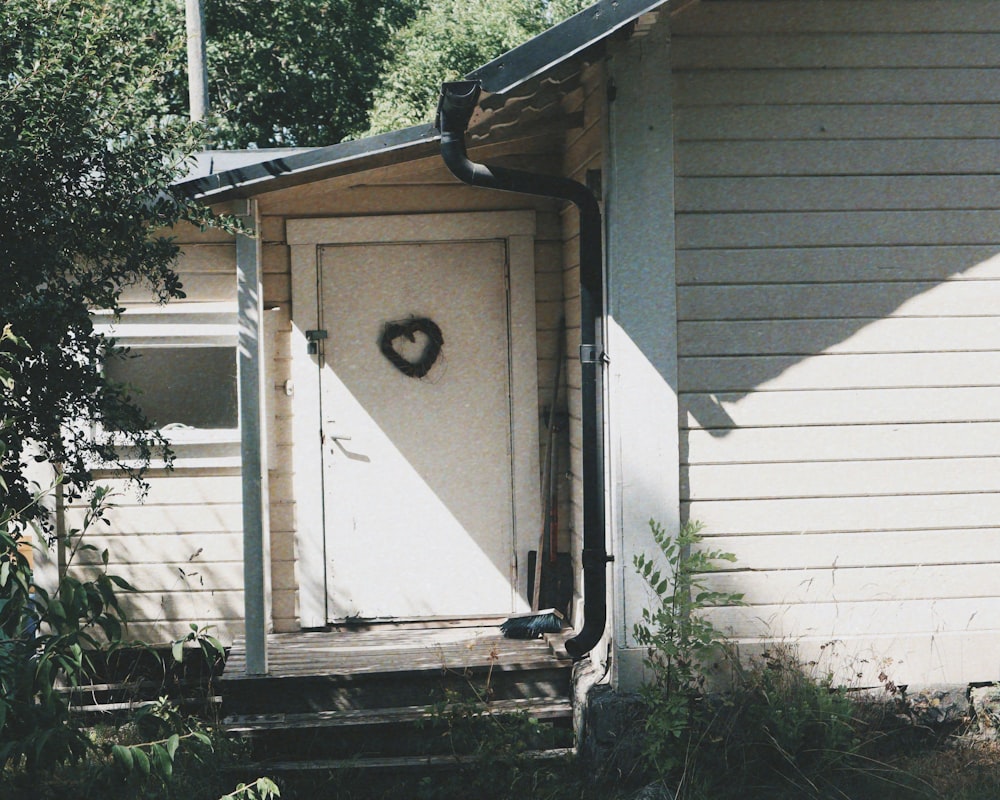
778,729
680,640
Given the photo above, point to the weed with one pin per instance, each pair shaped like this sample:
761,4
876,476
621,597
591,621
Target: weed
780,730
680,640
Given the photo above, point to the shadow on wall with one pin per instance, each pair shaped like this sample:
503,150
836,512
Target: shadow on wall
856,339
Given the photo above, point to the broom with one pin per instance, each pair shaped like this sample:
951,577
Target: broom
532,624
536,622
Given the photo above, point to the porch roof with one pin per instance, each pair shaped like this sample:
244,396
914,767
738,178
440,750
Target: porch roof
256,171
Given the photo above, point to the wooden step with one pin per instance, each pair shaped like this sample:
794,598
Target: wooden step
404,652
311,693
393,763
110,698
541,709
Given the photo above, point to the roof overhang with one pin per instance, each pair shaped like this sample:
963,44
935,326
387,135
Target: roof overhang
559,43
271,174
262,172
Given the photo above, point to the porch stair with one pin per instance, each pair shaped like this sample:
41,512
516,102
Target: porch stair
381,696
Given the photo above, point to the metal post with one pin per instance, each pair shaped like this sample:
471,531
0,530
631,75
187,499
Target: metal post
197,74
252,436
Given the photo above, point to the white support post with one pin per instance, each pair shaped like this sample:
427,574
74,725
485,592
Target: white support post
642,327
256,547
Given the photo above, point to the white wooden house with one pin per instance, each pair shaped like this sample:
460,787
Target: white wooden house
799,345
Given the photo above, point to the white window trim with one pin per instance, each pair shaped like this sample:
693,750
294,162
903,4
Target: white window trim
179,325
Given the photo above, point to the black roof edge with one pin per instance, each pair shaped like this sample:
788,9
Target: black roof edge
320,157
558,43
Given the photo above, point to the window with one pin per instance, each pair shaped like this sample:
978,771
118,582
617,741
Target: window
182,362
182,387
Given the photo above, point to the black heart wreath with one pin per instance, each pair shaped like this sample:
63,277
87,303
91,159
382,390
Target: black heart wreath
408,329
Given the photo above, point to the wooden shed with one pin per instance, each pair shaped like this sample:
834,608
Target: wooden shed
798,345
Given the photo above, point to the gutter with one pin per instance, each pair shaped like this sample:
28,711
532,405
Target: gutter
457,103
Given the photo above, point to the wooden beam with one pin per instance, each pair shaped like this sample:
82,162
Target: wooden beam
252,438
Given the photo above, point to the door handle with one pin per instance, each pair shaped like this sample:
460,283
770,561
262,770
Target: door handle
335,437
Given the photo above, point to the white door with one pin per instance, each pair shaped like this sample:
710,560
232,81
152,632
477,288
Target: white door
416,470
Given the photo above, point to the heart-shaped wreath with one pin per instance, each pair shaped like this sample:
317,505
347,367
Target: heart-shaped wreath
407,329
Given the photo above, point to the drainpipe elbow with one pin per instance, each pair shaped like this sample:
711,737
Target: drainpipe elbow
455,108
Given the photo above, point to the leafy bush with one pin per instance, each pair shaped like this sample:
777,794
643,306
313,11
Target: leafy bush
680,640
46,639
778,730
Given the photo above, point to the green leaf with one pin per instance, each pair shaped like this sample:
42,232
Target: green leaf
216,645
123,756
141,761
122,583
172,744
164,763
202,737
178,651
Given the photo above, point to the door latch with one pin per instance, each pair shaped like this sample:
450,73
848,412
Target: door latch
314,337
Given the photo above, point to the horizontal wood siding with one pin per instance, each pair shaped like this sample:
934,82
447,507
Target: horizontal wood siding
838,287
181,543
180,546
584,151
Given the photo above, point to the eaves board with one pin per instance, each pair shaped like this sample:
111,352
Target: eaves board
558,43
322,162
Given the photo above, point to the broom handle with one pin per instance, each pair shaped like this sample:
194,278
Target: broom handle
547,477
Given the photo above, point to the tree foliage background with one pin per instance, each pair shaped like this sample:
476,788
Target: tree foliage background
87,156
296,72
315,72
448,39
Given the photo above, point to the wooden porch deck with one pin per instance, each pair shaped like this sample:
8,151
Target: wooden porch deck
387,648
358,696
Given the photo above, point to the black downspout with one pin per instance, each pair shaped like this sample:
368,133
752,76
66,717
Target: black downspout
458,101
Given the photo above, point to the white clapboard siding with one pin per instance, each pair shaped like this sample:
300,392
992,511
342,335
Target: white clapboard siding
858,584
839,300
838,193
860,660
832,51
843,514
180,545
846,619
866,85
185,606
814,336
833,264
847,121
840,478
178,577
163,548
848,443
155,517
886,548
213,258
839,371
795,17
207,272
837,228
838,271
848,407
835,158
